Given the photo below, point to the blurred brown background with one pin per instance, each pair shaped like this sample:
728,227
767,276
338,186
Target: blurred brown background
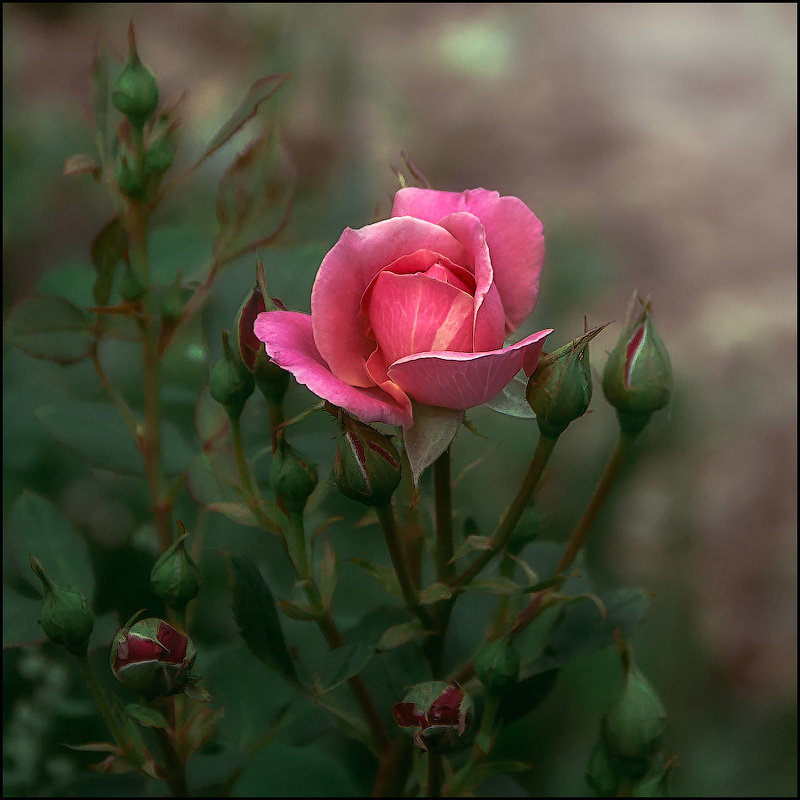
657,142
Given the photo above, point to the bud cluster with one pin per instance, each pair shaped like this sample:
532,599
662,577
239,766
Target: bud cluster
437,714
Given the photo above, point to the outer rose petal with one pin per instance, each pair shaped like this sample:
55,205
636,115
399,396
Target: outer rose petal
289,341
513,233
345,273
464,380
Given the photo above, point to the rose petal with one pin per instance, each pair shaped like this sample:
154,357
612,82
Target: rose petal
289,340
513,233
407,716
345,273
174,641
464,380
416,314
135,649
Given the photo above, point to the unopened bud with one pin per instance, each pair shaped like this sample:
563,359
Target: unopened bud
161,150
175,577
638,376
366,465
601,771
656,783
634,725
230,383
437,714
152,658
271,380
136,91
130,287
560,388
127,176
497,664
173,300
292,478
65,617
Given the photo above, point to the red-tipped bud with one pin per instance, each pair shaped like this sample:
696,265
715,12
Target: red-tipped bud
436,713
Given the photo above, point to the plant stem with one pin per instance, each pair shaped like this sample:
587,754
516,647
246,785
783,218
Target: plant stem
327,626
506,526
393,544
445,568
411,530
174,768
434,775
477,754
100,699
238,449
601,493
275,419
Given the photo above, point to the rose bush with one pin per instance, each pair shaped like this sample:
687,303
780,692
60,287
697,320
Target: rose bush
418,307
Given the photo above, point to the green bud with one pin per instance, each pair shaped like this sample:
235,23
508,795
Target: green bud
638,377
173,300
65,617
367,465
560,388
634,725
497,664
135,93
230,383
175,577
130,287
152,658
601,771
127,176
161,150
292,478
655,784
437,714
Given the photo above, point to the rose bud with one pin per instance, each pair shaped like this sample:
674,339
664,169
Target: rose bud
367,465
173,299
175,577
230,382
272,381
497,664
292,478
127,176
135,92
560,388
656,784
152,658
161,149
436,713
601,771
633,727
65,617
638,377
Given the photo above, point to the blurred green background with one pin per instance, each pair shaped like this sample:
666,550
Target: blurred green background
657,143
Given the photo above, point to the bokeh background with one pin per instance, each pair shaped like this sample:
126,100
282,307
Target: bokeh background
657,142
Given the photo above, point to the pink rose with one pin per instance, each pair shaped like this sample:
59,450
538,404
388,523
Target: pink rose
418,307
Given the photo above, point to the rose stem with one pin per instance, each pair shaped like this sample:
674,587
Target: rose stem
506,526
275,419
174,768
445,568
328,627
241,461
412,529
100,698
434,775
576,540
393,544
135,219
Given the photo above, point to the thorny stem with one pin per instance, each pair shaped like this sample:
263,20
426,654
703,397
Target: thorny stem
238,449
100,699
411,532
328,627
445,568
275,420
510,519
174,768
393,544
434,775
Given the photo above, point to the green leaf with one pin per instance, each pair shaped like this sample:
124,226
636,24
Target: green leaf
254,199
279,770
398,635
471,544
300,611
236,512
108,249
50,327
148,717
36,526
342,664
524,696
434,593
429,436
260,91
20,615
512,401
210,418
254,610
580,628
383,574
95,432
498,585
